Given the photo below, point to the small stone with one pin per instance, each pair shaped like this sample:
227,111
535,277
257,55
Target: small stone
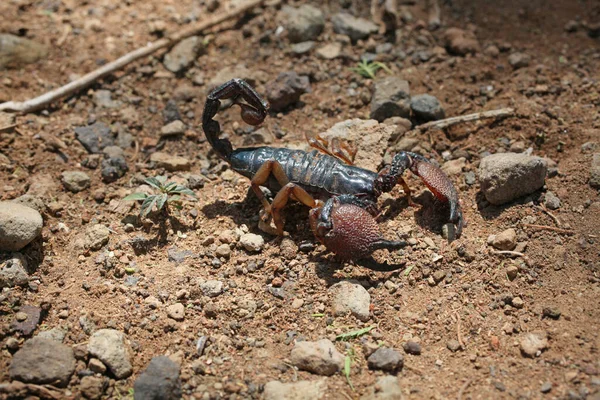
551,201
303,23
30,201
511,272
517,302
461,42
57,334
183,54
350,298
152,302
103,98
302,48
505,240
551,312
172,129
519,60
27,319
92,387
330,51
95,137
426,108
96,366
413,348
114,164
160,381
75,181
595,172
13,270
223,251
439,276
211,288
42,361
252,242
546,387
453,345
96,236
492,51
532,344
301,390
321,357
286,90
355,28
171,112
391,97
386,359
169,162
386,388
19,225
110,346
176,311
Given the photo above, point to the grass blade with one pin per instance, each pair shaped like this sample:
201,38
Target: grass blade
135,196
354,334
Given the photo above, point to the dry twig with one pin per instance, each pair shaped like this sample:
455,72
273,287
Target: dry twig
463,388
544,209
86,80
509,253
445,123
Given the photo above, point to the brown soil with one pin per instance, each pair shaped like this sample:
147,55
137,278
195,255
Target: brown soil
559,270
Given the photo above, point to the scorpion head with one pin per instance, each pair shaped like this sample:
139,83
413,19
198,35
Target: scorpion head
348,230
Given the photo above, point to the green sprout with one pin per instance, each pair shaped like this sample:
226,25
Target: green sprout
169,192
347,365
368,69
354,334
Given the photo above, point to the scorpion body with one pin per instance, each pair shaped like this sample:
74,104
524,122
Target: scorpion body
321,179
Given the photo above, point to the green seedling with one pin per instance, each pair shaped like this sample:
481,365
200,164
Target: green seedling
169,192
368,69
354,334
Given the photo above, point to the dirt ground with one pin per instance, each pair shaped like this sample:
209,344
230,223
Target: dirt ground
556,98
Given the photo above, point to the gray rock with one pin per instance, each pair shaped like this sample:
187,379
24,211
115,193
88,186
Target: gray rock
75,181
42,361
453,345
413,348
176,311
16,51
303,23
546,387
103,98
533,343
519,60
56,334
172,129
350,298
252,242
301,390
110,347
426,108
95,137
330,51
28,324
171,112
386,359
551,201
19,225
355,28
13,270
92,387
302,47
32,202
169,162
211,288
391,98
595,172
286,90
386,388
321,357
505,240
114,164
160,381
183,54
507,176
95,237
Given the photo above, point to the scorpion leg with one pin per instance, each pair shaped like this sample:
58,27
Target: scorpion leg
261,177
341,150
281,199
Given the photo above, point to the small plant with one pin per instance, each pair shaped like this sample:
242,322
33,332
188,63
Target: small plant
354,334
347,366
169,192
368,69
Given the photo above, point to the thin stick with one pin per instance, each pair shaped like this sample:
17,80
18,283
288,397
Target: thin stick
8,128
86,80
509,253
556,221
550,228
445,123
463,388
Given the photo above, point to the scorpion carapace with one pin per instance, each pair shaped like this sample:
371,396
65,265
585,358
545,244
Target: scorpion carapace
337,192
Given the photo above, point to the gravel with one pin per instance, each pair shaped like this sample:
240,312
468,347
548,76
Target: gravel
252,242
95,137
551,201
19,225
176,311
174,128
413,348
13,270
595,171
169,162
505,240
519,60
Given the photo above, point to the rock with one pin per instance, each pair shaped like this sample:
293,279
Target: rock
386,359
301,390
96,366
386,388
519,60
595,172
160,381
303,23
492,51
32,202
355,28
95,237
512,272
413,348
19,225
330,51
110,347
169,162
56,334
551,312
75,181
507,176
460,42
321,357
176,311
172,129
16,51
453,345
454,167
152,302
252,242
13,270
303,47
92,387
42,361
506,240
517,302
286,90
426,108
533,343
171,112
186,92
372,137
546,387
114,164
103,98
211,288
95,137
350,297
223,251
391,97
28,324
183,54
551,201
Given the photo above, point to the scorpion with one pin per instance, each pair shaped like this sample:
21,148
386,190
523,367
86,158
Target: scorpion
342,197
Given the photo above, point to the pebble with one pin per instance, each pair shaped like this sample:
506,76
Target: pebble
252,242
551,201
351,298
453,345
391,98
159,381
75,181
413,348
302,47
27,319
13,270
183,54
300,390
505,177
16,51
595,171
110,347
426,107
551,312
355,28
92,387
386,388
303,23
386,359
152,302
511,272
169,162
211,288
223,250
114,164
519,60
32,202
172,129
103,98
460,42
19,225
95,237
42,361
330,51
320,357
517,302
546,387
176,311
171,112
505,240
96,366
57,334
95,137
533,343
286,90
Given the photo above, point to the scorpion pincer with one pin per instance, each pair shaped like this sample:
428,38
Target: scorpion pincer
342,197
